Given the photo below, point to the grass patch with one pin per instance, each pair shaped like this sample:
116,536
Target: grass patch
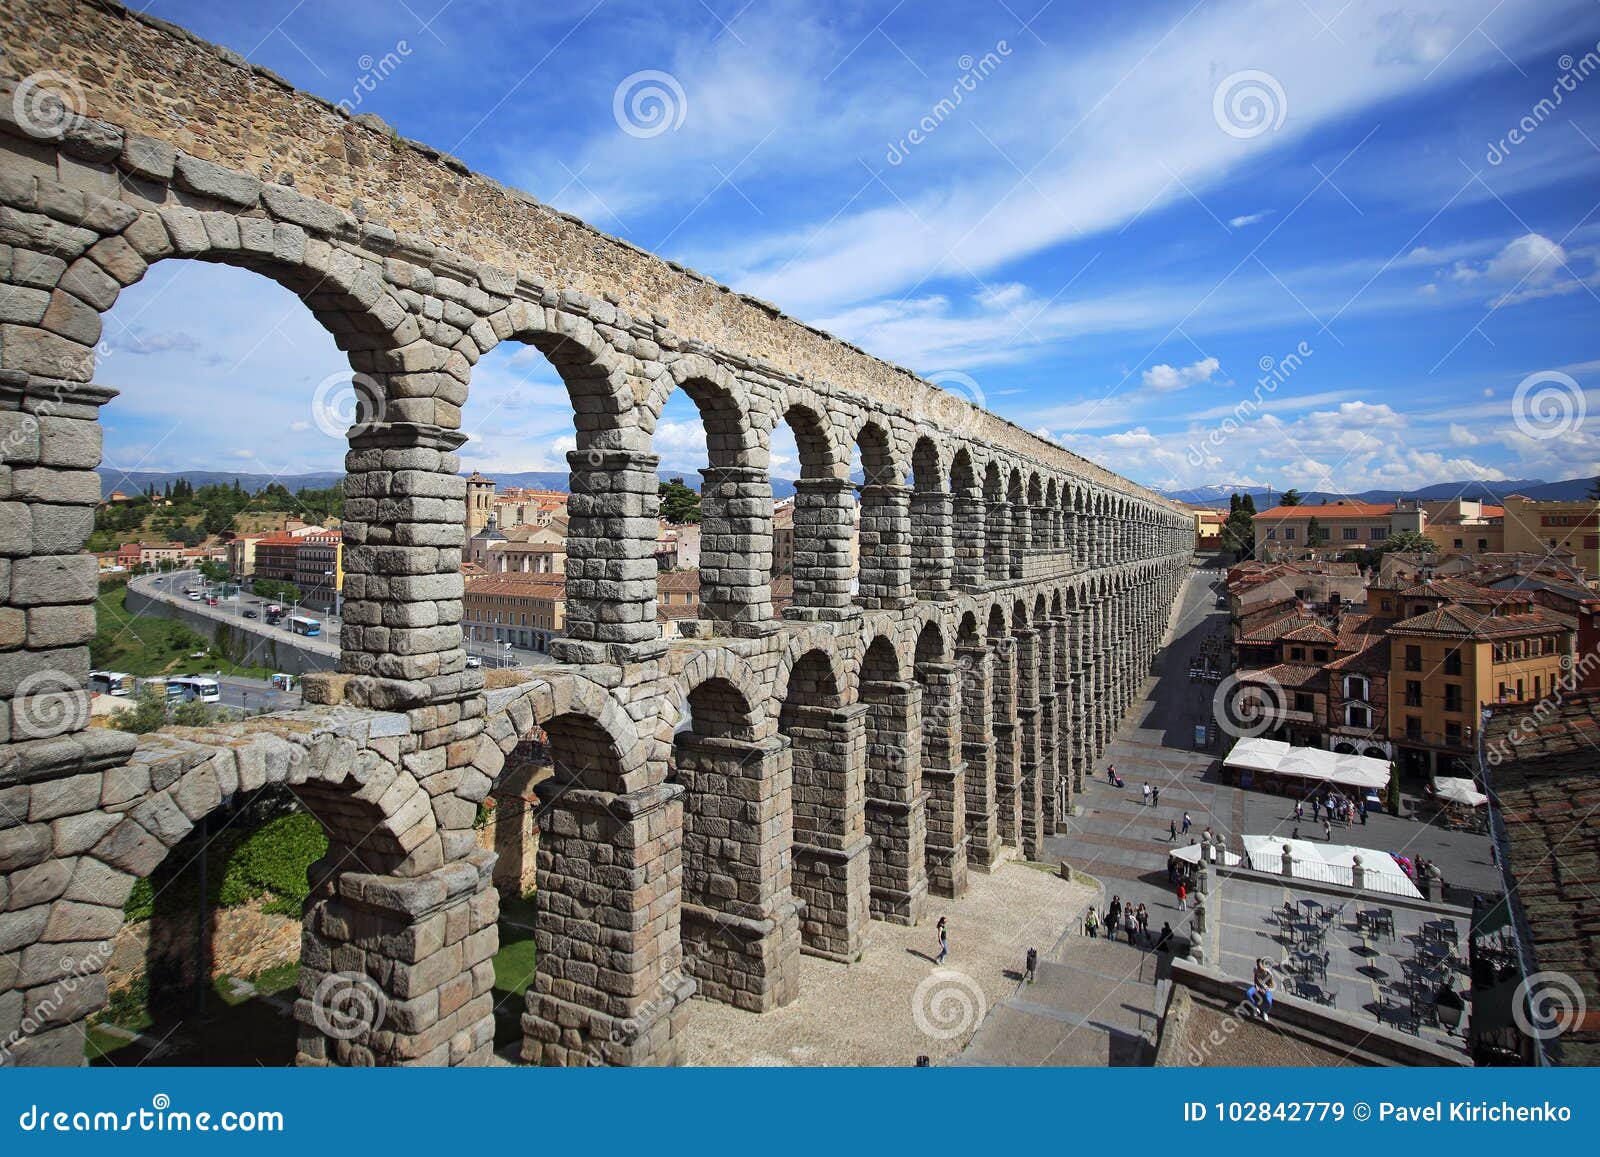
267,862
514,964
271,981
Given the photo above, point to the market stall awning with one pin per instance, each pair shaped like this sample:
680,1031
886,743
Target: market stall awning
1462,791
1316,862
1274,757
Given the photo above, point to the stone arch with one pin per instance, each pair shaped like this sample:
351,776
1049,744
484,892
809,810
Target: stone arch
932,529
812,539
896,820
967,520
1017,501
827,743
735,497
740,929
383,844
605,414
1038,528
997,525
883,562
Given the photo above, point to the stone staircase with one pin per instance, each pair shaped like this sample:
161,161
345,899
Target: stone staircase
1094,1002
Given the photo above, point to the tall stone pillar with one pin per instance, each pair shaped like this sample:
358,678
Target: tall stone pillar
611,566
608,860
741,921
977,750
1029,745
1007,745
885,563
1021,541
897,805
1066,767
969,548
831,865
933,554
822,571
424,944
997,542
736,550
944,776
1082,693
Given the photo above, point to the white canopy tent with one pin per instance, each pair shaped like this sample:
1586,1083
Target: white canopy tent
1461,791
1274,757
1190,854
1330,864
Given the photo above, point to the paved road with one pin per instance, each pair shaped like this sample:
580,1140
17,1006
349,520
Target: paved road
169,588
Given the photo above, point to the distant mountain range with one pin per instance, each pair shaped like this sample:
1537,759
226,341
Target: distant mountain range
136,481
1492,492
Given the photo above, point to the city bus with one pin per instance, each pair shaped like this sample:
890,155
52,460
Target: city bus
110,683
192,687
301,625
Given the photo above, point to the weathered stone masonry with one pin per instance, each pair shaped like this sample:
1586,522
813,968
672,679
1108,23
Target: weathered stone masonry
764,787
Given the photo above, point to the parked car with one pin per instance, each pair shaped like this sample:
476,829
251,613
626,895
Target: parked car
249,614
474,662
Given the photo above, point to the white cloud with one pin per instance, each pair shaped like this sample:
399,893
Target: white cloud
1461,436
1248,219
1165,379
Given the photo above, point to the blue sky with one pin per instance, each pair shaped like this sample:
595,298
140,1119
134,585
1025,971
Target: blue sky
1130,213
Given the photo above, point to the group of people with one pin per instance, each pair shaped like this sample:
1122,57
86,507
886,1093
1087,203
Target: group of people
1331,808
1134,922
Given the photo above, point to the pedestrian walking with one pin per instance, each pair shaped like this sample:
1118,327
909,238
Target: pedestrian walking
944,941
1363,813
1299,811
1032,964
1316,808
1155,796
1114,917
1130,924
1327,830
1146,791
1183,897
1144,922
1111,773
1172,831
1091,924
1186,822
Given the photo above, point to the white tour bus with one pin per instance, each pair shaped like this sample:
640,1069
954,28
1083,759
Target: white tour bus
192,687
110,683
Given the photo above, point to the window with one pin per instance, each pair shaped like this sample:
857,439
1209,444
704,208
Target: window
1519,690
1452,733
1319,654
1452,696
1387,604
1413,657
1483,544
1358,716
1271,534
1377,534
1297,652
1351,533
1303,702
1452,661
1355,687
1413,727
1419,608
1458,544
1537,693
1288,534
1413,693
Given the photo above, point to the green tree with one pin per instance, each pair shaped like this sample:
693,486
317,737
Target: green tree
278,591
1392,795
1407,542
1291,497
679,503
1315,534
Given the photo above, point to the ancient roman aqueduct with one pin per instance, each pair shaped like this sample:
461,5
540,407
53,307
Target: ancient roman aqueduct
722,803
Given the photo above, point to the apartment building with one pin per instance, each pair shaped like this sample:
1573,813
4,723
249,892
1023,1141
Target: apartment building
1543,527
1345,524
526,610
1461,526
319,570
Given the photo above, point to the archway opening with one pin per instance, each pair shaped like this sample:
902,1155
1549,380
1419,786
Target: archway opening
813,521
896,810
